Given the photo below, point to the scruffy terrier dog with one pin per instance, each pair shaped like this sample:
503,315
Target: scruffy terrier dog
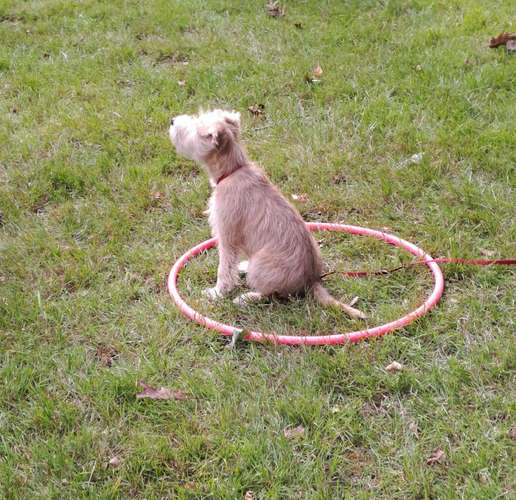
250,217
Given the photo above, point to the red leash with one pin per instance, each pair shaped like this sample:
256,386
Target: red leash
439,260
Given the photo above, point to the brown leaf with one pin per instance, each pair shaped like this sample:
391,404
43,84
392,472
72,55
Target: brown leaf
249,495
436,457
394,367
257,109
40,203
161,393
512,433
293,432
115,461
275,9
157,195
106,354
173,58
315,75
339,179
483,476
501,39
317,71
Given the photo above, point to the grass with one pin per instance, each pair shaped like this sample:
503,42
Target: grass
86,92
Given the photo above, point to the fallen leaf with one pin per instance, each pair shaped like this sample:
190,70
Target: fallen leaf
257,109
394,367
174,58
483,476
315,75
512,433
302,198
317,71
106,354
275,9
501,39
40,204
436,457
181,83
413,428
249,495
293,432
157,195
114,461
161,393
339,179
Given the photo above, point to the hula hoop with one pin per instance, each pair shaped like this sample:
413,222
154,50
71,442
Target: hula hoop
338,338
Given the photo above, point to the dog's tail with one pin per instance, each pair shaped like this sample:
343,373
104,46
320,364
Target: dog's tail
323,297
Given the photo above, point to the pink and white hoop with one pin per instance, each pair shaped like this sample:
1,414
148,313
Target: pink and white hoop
338,338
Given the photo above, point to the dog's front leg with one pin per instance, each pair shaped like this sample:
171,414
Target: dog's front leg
227,274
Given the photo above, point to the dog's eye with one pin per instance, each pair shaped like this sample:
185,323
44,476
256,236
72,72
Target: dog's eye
204,134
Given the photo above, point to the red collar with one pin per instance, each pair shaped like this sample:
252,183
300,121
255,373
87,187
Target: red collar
222,177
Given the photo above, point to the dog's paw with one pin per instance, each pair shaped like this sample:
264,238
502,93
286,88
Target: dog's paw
212,293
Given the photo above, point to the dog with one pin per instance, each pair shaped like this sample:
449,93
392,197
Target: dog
250,217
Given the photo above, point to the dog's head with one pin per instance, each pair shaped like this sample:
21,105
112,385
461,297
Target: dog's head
199,137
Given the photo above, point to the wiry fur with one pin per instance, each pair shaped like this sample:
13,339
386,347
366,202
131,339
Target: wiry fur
249,216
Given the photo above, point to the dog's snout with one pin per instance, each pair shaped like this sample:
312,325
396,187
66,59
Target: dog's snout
172,121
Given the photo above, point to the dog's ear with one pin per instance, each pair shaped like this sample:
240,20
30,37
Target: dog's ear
210,135
232,120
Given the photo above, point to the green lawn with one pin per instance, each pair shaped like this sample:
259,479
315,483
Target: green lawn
95,207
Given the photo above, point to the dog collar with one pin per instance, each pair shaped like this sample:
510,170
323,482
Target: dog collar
222,177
